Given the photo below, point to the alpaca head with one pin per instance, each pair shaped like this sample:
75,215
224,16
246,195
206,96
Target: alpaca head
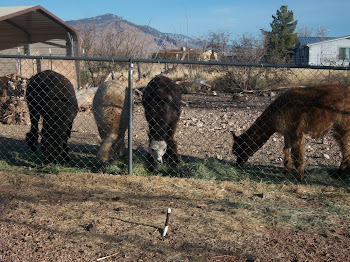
240,149
157,149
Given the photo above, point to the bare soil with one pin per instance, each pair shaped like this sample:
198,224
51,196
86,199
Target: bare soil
90,216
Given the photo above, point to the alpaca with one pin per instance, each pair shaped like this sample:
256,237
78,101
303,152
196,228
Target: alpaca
294,114
111,115
52,96
162,102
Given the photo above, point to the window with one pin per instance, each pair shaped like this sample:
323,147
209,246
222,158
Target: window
344,53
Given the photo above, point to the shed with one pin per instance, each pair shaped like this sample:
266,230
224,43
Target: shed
33,30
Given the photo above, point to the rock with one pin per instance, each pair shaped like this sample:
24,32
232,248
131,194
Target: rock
199,124
237,96
272,94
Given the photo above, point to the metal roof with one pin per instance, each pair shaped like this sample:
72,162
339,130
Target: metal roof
21,25
306,40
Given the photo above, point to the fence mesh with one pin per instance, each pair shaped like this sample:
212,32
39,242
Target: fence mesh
216,101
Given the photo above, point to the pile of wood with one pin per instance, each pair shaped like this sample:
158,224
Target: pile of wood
13,107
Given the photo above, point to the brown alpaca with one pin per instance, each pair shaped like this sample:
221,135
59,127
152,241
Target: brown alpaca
294,114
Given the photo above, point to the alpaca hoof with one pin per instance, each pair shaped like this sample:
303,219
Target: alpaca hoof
151,168
173,161
66,159
299,177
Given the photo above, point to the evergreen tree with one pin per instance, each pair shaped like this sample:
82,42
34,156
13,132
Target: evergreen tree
282,38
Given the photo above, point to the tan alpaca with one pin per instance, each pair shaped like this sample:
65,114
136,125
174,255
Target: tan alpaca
110,109
296,113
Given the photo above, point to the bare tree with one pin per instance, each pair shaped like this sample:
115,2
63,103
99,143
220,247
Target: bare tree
246,48
322,32
249,49
305,31
112,41
217,42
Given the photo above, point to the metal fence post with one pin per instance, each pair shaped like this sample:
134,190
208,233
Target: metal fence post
131,103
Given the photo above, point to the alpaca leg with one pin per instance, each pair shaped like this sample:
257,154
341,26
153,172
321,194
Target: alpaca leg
104,153
33,135
171,155
298,156
151,163
344,168
65,149
287,156
118,149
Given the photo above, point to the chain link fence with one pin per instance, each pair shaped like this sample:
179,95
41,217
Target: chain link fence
186,123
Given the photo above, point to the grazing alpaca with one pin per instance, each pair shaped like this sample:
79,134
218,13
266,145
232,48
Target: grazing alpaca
111,115
52,96
296,113
162,102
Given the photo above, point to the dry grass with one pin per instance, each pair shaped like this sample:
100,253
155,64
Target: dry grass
85,216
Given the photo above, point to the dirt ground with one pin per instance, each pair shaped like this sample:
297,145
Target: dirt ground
95,216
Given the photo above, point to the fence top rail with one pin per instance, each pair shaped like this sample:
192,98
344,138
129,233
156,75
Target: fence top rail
163,61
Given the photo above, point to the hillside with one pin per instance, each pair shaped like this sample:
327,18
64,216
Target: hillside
155,39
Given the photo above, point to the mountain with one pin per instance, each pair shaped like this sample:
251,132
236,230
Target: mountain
155,39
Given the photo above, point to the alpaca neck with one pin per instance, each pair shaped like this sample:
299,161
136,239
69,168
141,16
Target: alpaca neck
257,135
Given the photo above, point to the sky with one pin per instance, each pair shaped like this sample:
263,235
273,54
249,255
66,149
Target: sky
196,18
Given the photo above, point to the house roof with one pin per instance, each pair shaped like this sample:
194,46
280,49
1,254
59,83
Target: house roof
315,40
21,25
311,39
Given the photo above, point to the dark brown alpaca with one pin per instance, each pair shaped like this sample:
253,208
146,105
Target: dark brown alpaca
51,96
294,114
162,102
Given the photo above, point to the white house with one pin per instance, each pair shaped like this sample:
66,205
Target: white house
323,51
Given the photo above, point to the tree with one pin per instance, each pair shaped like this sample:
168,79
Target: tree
321,32
111,41
305,31
282,38
247,48
251,49
217,42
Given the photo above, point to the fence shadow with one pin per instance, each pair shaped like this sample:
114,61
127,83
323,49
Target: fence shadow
14,152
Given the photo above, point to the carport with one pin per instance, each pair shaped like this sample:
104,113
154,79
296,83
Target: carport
27,25
32,30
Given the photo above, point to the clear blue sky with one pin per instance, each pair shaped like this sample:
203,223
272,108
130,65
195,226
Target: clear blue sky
202,16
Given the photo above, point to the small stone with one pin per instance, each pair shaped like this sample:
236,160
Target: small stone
90,227
199,124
